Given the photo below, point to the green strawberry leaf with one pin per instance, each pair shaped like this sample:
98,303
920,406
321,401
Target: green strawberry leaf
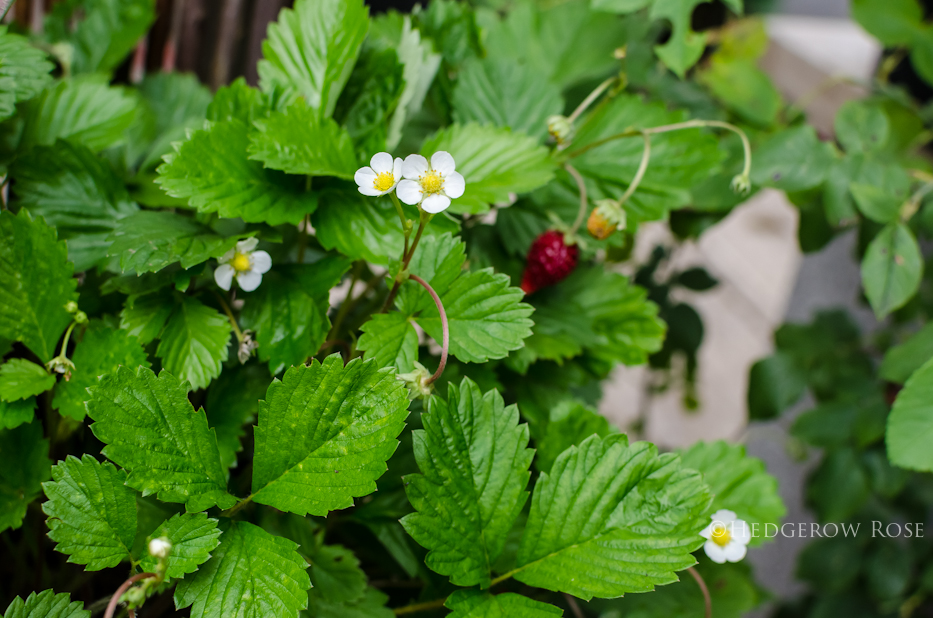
193,537
391,340
910,424
24,465
371,605
569,424
24,71
92,513
77,192
902,360
325,432
336,575
212,171
15,413
238,101
251,573
22,379
36,281
439,261
634,524
310,51
494,162
151,429
297,141
46,604
476,604
101,351
194,343
232,404
891,269
474,461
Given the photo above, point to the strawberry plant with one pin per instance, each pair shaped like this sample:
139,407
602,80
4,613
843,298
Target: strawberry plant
332,344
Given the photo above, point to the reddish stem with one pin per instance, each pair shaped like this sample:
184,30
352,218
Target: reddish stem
444,325
702,584
115,599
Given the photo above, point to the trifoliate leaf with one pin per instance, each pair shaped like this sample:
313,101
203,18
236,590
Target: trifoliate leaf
474,462
85,110
336,575
144,317
24,71
151,240
212,171
635,524
22,379
367,228
193,537
503,93
679,159
151,429
391,340
420,66
232,403
24,464
901,361
739,483
476,604
290,324
298,142
15,413
910,425
625,321
101,32
310,51
324,434
101,351
251,573
36,281
569,424
194,343
92,513
371,605
238,101
439,261
77,192
792,160
494,162
486,317
891,269
46,604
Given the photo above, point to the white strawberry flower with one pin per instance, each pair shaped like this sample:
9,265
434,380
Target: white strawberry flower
726,537
431,185
244,263
381,176
160,547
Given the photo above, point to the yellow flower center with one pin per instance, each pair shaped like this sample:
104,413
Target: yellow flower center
720,535
384,181
431,182
240,262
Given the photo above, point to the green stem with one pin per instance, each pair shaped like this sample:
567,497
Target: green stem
226,308
590,98
419,607
236,507
406,223
406,259
640,173
348,302
67,337
444,326
584,204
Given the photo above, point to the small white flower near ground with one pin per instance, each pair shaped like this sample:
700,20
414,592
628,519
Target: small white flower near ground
431,185
160,547
380,177
726,537
244,263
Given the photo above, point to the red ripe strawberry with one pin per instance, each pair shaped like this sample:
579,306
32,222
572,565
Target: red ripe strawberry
549,261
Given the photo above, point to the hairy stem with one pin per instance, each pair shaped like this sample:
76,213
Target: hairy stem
406,259
226,308
236,507
640,173
420,607
440,309
115,599
581,186
706,598
582,107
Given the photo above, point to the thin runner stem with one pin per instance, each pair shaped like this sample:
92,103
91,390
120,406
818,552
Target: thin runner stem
115,599
446,336
706,598
584,204
582,107
640,173
226,308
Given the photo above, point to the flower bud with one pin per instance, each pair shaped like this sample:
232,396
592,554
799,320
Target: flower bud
417,382
160,547
560,128
80,317
61,364
247,346
741,184
71,306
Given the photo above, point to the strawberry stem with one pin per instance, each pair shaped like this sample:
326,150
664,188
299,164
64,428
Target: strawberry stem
444,325
115,599
706,598
584,204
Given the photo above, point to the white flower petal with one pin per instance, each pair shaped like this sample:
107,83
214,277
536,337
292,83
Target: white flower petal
397,169
249,280
733,552
260,262
741,532
435,203
370,190
364,176
454,185
707,532
229,255
223,275
245,246
381,162
414,166
409,191
724,516
443,163
715,552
